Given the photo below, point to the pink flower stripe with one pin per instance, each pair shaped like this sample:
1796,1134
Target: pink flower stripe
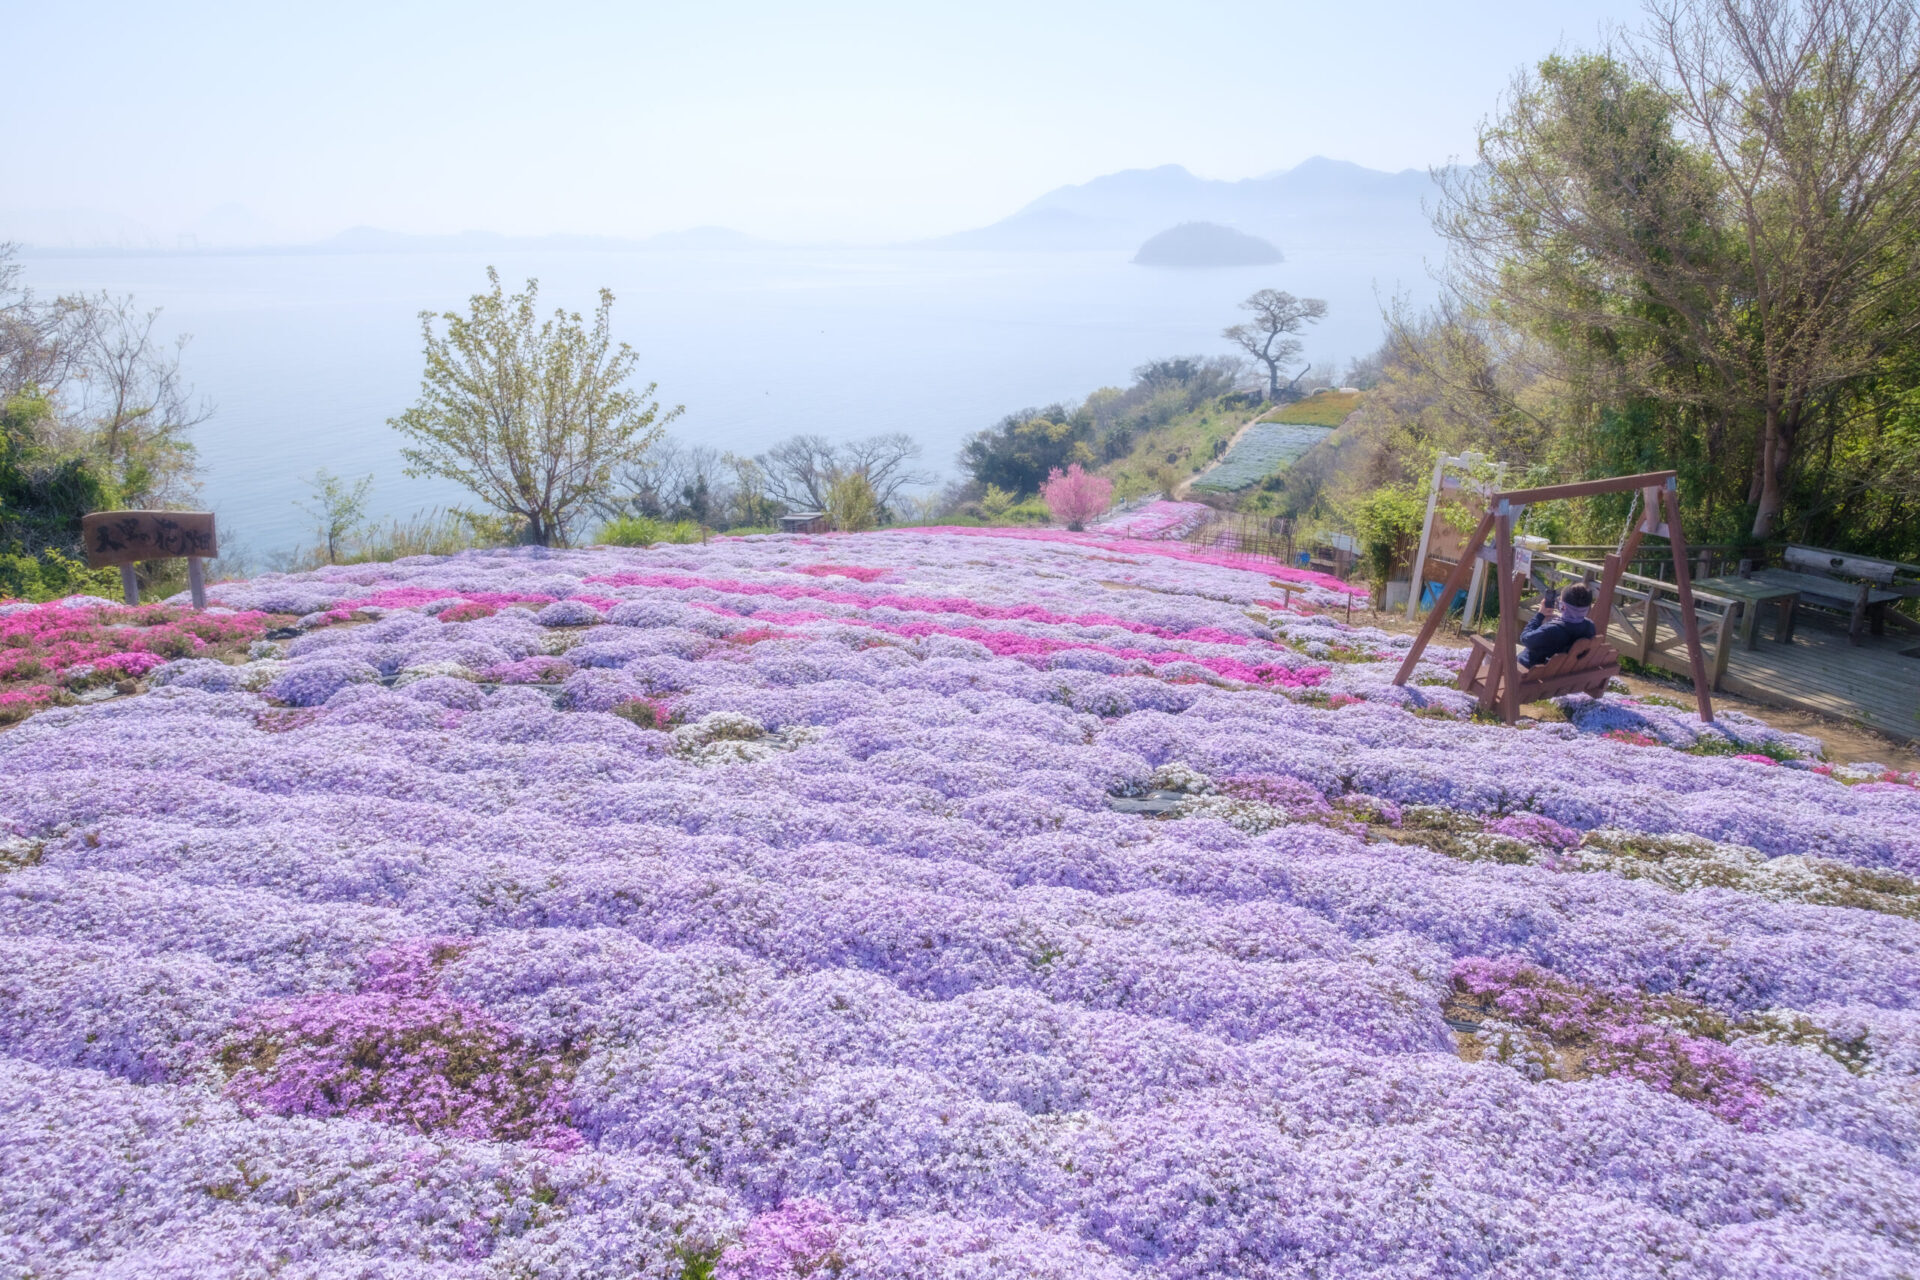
414,597
842,571
1138,546
1017,644
910,604
47,646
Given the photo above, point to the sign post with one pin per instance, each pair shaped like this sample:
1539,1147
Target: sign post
1448,473
126,537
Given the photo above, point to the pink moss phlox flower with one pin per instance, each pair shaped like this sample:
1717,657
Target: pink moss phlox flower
1757,759
1621,1031
800,1238
1536,829
858,573
399,1052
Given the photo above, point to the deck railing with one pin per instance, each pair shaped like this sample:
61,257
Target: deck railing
1644,606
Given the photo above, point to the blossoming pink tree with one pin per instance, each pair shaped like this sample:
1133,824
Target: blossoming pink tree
1076,497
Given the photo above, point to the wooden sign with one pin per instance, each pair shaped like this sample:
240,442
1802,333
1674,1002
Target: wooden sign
124,537
1522,557
127,537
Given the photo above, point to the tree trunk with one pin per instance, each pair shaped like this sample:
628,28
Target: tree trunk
1772,466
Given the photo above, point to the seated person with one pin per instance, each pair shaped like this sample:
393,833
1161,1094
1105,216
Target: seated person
1552,631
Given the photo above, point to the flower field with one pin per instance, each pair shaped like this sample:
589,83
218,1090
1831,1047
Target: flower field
921,904
1267,447
1154,520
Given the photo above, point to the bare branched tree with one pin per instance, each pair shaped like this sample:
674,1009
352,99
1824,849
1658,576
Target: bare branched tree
1269,336
137,406
885,462
801,472
41,343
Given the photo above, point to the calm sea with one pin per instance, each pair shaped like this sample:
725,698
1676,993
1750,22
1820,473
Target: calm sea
306,356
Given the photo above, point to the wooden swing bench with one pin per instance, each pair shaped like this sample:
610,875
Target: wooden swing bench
1493,673
1585,668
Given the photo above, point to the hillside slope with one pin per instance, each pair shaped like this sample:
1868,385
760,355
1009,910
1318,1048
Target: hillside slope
942,904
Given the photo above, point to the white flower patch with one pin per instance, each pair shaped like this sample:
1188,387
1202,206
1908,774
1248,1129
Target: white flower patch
429,670
1181,776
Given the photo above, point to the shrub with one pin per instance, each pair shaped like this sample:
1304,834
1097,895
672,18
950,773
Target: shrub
631,531
852,503
52,575
683,531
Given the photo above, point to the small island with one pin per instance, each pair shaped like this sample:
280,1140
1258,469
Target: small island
1206,244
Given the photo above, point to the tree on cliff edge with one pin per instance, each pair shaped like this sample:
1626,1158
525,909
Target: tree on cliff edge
1269,336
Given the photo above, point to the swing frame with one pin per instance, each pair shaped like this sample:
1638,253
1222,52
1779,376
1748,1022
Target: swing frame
1660,491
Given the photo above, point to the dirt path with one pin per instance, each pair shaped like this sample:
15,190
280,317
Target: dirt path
1185,487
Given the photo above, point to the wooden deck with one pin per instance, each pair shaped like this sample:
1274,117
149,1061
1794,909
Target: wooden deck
1875,683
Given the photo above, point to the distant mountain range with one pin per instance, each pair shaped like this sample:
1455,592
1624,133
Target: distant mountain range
1318,204
374,240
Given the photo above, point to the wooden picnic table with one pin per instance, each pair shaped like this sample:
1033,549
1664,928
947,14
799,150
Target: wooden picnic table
1858,600
1755,594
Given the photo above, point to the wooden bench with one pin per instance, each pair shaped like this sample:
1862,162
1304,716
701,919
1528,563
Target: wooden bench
1585,668
1859,586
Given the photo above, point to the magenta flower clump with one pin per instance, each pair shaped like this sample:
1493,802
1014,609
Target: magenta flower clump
400,1052
799,1239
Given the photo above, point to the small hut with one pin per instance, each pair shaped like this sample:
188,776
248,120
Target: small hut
806,522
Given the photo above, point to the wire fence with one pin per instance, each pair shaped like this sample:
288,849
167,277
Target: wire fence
1266,537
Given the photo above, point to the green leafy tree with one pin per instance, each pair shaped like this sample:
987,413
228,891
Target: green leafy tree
1714,225
532,416
339,508
852,503
1388,521
1020,451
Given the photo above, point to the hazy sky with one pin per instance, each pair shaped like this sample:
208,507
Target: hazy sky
841,121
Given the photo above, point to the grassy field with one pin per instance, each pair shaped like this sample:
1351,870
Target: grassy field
1321,409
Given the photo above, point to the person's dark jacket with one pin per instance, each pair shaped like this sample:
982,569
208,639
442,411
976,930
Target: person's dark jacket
1545,637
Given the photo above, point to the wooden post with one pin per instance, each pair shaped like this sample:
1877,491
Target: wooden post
129,585
1470,612
1508,632
1426,535
1455,580
197,581
1602,615
1683,579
